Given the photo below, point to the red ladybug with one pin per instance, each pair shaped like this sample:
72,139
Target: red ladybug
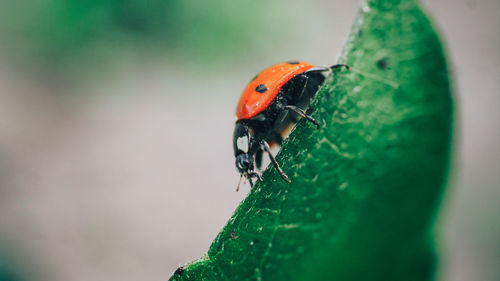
272,102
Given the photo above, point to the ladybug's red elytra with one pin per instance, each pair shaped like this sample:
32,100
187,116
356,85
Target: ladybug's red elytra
271,102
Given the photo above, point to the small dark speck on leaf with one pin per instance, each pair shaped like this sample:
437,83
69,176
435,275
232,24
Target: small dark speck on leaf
327,96
179,270
233,235
382,63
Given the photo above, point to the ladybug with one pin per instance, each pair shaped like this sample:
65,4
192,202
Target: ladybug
271,103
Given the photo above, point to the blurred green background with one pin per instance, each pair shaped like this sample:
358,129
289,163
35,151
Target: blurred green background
75,38
116,120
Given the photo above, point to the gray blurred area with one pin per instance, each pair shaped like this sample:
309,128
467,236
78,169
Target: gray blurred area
126,172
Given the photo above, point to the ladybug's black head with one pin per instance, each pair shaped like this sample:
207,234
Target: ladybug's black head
244,150
242,143
244,163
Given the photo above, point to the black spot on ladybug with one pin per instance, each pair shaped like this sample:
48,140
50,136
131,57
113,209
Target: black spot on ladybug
261,88
382,63
255,77
292,62
179,270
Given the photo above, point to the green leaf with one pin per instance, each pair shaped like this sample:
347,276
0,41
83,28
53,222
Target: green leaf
366,186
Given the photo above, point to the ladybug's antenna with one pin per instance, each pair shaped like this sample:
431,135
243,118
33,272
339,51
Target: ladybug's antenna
317,70
239,183
248,176
335,66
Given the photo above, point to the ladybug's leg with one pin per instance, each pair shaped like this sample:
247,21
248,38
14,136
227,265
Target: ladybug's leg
303,114
276,136
253,174
265,146
258,158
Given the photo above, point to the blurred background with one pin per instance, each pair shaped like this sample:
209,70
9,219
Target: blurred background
116,122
